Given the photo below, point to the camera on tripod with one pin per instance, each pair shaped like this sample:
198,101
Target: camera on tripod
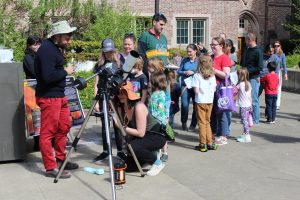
110,77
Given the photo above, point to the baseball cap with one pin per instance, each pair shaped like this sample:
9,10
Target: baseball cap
108,45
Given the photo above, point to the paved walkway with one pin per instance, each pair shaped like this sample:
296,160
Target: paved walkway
267,168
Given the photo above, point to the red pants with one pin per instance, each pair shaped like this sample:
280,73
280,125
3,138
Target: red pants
55,124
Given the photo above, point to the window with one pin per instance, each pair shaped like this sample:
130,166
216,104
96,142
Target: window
190,31
241,23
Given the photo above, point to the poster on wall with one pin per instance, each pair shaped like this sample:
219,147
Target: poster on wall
32,110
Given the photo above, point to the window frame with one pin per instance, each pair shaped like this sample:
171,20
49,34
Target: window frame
190,34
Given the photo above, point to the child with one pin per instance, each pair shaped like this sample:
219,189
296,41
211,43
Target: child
108,59
156,65
204,84
175,94
139,80
244,101
270,83
156,108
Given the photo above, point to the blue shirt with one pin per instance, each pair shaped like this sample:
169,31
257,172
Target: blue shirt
186,65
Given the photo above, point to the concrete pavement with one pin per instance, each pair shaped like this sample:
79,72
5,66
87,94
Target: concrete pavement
267,168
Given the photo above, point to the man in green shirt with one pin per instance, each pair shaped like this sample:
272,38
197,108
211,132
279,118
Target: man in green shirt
153,43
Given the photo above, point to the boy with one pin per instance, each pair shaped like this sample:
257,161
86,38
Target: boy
270,83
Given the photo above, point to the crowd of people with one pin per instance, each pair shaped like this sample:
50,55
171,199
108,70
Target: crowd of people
153,92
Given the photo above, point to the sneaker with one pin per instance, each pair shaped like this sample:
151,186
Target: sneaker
121,155
183,126
268,122
101,157
213,146
53,174
244,139
69,165
164,157
221,140
155,169
201,147
272,122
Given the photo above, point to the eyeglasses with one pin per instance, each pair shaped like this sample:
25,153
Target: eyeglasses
213,45
277,45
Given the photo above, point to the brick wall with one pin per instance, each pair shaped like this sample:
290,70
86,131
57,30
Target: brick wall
222,16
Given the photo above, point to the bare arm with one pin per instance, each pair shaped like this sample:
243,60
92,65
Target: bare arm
141,113
97,109
221,74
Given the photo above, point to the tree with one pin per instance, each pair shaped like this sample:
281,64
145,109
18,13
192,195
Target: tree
293,23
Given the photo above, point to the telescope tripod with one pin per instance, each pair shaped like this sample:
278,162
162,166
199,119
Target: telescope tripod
104,97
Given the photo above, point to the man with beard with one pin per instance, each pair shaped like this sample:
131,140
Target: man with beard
55,114
153,43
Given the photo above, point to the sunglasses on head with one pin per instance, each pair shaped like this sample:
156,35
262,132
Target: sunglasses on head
129,34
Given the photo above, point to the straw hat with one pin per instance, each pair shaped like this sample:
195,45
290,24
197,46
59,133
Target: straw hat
130,94
61,27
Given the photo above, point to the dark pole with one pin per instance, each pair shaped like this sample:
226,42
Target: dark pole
156,6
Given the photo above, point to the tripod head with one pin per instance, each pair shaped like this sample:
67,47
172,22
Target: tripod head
110,78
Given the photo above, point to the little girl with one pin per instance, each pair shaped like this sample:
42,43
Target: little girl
156,66
244,102
157,109
204,84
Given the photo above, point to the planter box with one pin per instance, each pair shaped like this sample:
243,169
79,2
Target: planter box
293,84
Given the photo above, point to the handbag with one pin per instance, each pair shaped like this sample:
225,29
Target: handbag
168,132
225,96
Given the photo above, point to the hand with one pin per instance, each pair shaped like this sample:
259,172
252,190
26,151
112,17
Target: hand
188,73
97,108
286,77
172,102
70,70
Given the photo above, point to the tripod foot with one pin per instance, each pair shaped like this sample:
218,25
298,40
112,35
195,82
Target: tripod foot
55,181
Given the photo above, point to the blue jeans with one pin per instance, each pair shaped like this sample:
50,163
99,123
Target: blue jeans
171,120
271,106
255,82
185,102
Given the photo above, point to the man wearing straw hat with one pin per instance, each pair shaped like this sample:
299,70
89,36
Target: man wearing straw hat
55,114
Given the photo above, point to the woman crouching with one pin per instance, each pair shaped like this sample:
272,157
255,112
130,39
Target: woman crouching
143,130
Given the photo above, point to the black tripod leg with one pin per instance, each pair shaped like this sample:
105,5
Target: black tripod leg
124,135
75,141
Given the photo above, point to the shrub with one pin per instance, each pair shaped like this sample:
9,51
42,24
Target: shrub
86,95
293,60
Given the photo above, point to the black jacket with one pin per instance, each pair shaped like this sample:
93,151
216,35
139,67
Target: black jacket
49,68
28,64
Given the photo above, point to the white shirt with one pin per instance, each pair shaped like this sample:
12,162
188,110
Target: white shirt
244,97
206,88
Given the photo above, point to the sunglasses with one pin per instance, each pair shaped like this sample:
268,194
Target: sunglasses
129,34
277,45
213,45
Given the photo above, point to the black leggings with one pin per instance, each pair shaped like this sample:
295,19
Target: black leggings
118,137
143,149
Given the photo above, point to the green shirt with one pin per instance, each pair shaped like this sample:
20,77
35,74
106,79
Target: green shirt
150,46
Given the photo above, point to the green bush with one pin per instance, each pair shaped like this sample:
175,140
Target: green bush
293,60
87,94
181,51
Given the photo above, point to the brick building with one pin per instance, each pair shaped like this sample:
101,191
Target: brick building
191,21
